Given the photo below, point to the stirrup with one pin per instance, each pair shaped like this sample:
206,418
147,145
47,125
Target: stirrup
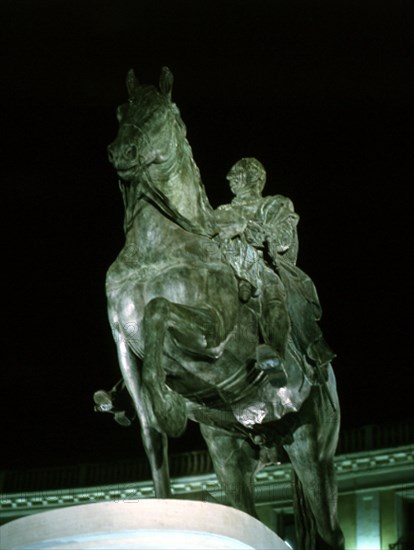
245,291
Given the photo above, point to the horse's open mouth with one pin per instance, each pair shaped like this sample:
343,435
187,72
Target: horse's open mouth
125,173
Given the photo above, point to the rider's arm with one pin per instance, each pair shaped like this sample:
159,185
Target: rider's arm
229,223
280,221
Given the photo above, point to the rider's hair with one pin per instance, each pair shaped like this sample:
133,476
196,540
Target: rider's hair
255,170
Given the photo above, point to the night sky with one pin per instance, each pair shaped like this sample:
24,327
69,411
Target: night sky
321,93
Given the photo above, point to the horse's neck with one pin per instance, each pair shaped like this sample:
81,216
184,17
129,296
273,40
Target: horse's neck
177,188
155,239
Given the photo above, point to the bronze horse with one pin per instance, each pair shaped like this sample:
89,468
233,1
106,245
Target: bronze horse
186,341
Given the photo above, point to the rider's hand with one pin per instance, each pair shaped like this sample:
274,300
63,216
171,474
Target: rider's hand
228,231
255,234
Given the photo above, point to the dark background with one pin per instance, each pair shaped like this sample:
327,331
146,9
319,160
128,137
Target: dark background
321,93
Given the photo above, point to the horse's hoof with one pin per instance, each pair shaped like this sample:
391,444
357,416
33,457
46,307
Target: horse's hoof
103,401
121,418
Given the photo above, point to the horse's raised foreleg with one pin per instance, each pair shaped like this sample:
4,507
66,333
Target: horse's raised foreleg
196,329
312,455
154,440
235,462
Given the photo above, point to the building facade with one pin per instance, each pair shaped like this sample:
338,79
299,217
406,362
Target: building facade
375,471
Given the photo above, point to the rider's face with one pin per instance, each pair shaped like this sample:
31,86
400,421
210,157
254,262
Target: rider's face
237,180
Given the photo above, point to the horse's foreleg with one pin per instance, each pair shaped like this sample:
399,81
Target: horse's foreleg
154,440
198,329
168,406
235,462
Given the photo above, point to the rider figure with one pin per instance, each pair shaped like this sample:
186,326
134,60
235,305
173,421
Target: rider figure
266,229
246,235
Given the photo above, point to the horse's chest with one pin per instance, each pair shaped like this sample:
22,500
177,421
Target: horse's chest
144,254
130,278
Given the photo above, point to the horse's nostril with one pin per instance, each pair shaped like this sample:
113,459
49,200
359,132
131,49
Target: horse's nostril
110,153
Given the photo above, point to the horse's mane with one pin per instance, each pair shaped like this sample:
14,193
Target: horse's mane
145,100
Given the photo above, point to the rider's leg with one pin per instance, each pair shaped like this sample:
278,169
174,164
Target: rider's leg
275,327
275,317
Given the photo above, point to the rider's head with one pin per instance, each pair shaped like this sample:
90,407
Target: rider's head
247,177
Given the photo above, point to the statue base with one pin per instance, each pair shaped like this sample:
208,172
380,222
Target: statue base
144,524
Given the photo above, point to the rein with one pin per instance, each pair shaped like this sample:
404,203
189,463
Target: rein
153,194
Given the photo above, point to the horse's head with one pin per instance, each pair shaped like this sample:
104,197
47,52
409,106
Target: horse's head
151,148
149,126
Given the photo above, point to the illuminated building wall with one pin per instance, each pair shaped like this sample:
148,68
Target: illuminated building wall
376,487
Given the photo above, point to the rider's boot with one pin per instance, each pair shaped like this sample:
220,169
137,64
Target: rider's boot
269,361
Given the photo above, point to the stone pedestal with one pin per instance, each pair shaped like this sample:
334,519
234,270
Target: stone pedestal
145,524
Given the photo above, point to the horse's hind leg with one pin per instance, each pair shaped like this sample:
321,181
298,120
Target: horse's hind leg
196,329
236,462
316,498
312,455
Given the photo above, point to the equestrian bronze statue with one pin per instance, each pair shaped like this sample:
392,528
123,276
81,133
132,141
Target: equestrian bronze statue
214,322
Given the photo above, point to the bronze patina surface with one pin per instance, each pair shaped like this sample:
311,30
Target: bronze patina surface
214,322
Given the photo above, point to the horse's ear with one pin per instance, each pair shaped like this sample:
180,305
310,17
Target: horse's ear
131,82
166,82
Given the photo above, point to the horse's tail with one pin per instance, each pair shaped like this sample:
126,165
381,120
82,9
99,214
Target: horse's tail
306,533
